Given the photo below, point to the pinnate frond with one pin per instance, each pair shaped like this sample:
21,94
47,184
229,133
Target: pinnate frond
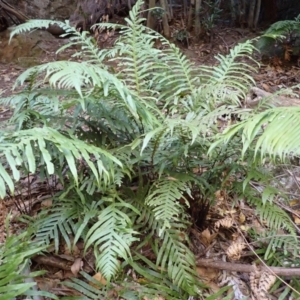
112,235
272,133
164,198
14,259
23,147
228,72
174,256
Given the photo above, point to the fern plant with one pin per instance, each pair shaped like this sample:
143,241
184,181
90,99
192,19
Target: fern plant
15,276
125,146
282,32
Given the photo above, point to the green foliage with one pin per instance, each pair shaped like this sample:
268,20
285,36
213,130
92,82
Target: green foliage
124,142
283,28
279,33
210,14
15,276
267,133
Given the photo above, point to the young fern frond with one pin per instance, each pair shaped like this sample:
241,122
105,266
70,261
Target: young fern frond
135,52
177,76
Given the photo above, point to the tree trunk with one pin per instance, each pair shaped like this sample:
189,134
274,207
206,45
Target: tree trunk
190,16
233,12
257,13
251,14
150,18
166,28
197,18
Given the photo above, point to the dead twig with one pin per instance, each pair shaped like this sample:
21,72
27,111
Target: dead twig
221,265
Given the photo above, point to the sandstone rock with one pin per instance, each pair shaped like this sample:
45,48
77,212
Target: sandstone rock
46,9
24,49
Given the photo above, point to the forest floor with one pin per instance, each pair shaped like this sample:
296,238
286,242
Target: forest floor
272,75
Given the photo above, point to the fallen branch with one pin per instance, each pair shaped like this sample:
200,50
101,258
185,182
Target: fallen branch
256,95
9,9
57,262
220,265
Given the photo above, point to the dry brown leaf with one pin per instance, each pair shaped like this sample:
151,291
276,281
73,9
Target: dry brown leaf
77,266
207,274
266,87
226,222
206,237
220,195
100,278
242,218
142,280
47,203
258,227
260,283
45,284
234,250
266,281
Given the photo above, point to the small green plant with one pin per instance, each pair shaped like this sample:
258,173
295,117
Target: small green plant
15,276
210,14
280,36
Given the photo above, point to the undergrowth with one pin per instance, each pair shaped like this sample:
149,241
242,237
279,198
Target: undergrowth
124,143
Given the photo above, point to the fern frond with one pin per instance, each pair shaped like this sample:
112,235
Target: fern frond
136,53
89,49
58,221
14,260
23,147
156,282
164,198
176,76
175,257
288,245
228,72
282,28
83,77
273,215
112,236
90,291
273,133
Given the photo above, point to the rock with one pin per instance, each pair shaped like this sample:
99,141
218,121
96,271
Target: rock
24,49
45,9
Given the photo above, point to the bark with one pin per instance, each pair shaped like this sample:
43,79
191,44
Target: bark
233,12
256,95
197,18
221,265
190,16
10,12
257,13
166,28
150,18
251,13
